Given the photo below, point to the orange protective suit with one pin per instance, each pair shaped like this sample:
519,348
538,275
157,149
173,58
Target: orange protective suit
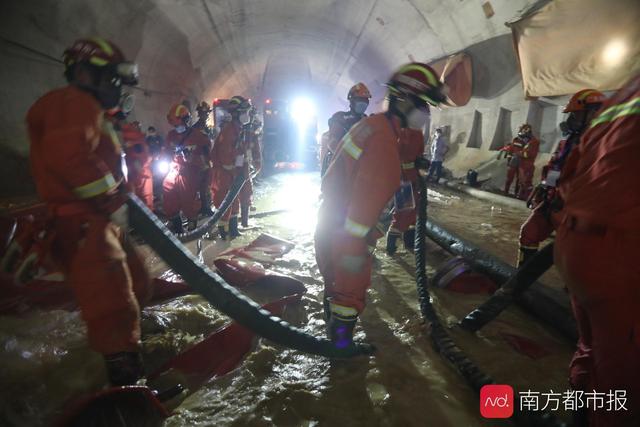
411,147
358,184
76,164
339,125
182,183
527,167
542,221
138,158
596,251
224,157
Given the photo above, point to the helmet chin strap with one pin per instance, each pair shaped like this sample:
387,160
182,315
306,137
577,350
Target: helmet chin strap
397,107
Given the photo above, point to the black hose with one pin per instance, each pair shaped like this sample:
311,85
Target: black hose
508,292
222,296
234,190
543,302
440,338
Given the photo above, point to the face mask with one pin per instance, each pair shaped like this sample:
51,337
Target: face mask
244,118
181,128
576,122
360,107
417,119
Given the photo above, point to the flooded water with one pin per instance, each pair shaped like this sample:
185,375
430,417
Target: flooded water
44,359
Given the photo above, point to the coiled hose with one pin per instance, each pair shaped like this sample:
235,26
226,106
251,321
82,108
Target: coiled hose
440,338
543,302
508,292
224,297
234,190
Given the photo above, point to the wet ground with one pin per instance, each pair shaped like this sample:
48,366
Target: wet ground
44,360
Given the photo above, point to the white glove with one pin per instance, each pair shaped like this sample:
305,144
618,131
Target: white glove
121,217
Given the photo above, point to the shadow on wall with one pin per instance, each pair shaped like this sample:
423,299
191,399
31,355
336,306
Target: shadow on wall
454,143
494,65
543,118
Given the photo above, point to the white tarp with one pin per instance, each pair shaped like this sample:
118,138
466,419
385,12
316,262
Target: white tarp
569,45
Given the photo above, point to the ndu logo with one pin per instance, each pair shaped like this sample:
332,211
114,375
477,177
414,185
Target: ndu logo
496,401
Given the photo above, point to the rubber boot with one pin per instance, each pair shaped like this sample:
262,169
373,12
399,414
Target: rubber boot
392,245
409,239
192,224
525,254
176,224
233,227
124,368
244,216
340,330
222,231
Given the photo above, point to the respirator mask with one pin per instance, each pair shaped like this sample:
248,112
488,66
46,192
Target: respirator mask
359,107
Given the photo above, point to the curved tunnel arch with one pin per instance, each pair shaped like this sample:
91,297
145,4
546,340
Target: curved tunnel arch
202,49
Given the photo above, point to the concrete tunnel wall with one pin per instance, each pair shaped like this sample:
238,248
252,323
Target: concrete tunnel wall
205,49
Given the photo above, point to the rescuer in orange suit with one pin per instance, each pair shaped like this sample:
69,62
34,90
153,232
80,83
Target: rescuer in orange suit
361,179
520,153
227,157
581,109
252,163
342,121
527,162
138,159
204,110
403,219
181,186
596,252
77,167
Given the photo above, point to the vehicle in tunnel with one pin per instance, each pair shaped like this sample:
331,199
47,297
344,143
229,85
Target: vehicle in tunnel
290,128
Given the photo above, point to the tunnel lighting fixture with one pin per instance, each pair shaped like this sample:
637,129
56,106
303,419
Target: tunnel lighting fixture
303,111
267,101
614,52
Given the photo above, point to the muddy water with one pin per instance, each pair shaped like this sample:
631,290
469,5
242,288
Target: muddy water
44,360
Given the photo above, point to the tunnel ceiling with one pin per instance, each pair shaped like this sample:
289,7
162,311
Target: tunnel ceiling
202,49
272,48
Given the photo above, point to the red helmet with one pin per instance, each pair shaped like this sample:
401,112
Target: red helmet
178,115
359,90
585,99
101,53
417,80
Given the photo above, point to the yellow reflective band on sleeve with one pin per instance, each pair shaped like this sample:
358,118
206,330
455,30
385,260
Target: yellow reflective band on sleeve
96,187
343,311
614,112
408,165
356,229
351,148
